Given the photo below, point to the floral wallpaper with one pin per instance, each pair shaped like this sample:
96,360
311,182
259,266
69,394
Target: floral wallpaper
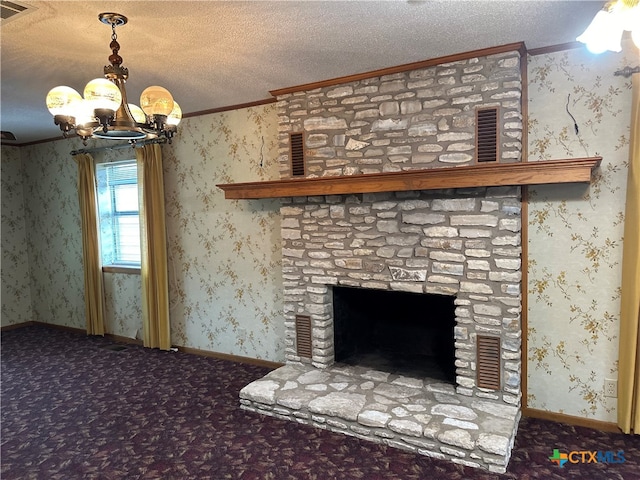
575,231
123,304
224,256
54,241
45,194
16,294
225,280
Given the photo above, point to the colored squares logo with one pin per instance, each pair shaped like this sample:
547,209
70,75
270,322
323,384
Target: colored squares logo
559,458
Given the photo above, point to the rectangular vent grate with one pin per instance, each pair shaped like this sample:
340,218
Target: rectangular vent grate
488,362
303,336
296,140
487,134
11,9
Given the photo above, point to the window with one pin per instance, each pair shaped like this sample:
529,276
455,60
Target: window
118,213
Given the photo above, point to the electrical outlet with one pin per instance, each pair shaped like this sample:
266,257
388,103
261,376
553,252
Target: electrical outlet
610,387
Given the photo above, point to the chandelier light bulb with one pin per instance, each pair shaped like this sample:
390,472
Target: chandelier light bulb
156,100
175,116
103,94
63,100
84,113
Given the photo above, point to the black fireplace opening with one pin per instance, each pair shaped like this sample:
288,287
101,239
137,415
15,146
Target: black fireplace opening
403,333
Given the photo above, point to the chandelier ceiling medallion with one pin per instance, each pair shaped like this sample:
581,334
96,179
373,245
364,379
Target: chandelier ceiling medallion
104,112
606,29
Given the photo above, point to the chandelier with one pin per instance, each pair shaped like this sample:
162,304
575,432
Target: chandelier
606,29
104,112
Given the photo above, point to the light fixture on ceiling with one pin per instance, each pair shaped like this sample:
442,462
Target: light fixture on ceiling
104,112
606,29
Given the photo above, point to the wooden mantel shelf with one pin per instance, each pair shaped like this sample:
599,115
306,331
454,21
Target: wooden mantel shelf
576,170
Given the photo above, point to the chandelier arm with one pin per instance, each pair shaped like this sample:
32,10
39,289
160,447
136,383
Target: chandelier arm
66,123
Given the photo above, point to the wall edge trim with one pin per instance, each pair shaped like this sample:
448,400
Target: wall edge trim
571,420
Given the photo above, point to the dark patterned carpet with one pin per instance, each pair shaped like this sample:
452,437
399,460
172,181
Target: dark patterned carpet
73,408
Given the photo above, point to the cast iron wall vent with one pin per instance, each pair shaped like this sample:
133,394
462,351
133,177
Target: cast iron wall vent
303,336
487,134
296,142
488,362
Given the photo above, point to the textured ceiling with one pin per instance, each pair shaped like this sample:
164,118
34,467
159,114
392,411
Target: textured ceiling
213,54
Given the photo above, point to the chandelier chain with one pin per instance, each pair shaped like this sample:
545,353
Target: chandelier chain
114,58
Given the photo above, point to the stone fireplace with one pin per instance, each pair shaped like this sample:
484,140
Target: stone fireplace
461,246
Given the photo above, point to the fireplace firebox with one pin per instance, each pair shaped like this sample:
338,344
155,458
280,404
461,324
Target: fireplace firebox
398,332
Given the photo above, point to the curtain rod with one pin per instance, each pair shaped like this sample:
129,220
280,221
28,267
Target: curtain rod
627,71
120,146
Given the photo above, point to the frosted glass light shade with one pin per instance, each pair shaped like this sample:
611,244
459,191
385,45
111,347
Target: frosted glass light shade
137,113
156,100
63,100
101,93
175,116
604,33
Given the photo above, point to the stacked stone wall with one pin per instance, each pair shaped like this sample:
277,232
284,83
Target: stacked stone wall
464,243
405,121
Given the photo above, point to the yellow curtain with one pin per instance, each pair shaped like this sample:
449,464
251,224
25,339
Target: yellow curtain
629,354
93,285
153,243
